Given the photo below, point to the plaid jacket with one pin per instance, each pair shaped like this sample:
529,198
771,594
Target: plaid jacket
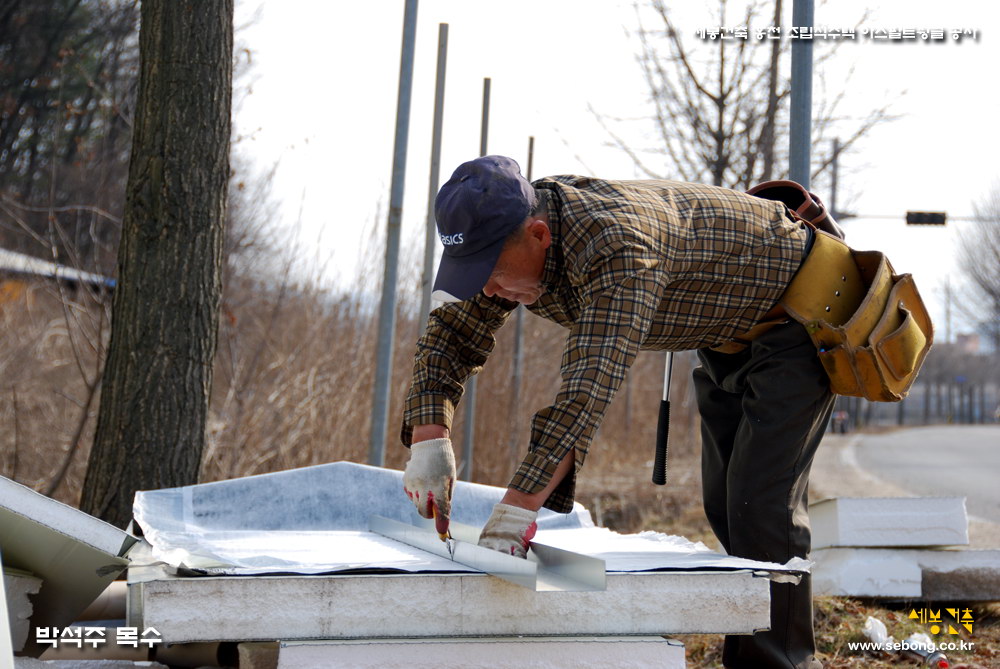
652,265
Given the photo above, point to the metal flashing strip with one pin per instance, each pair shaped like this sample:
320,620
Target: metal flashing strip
547,569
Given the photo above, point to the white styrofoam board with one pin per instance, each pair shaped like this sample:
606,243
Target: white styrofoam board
75,554
82,527
8,633
889,521
31,663
941,575
846,572
345,606
645,652
18,585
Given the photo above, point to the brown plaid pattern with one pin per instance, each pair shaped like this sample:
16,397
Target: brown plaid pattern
652,265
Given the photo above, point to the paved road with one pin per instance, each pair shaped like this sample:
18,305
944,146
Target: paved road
941,462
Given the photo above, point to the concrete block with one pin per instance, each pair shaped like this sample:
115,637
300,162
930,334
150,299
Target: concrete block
492,653
889,521
353,606
960,576
932,575
18,585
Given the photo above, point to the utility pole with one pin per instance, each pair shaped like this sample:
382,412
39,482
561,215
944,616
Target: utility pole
800,120
834,180
430,239
387,308
469,425
947,310
515,401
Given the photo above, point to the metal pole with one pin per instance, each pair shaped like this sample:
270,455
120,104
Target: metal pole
430,241
835,180
515,432
387,309
947,310
469,426
484,130
800,121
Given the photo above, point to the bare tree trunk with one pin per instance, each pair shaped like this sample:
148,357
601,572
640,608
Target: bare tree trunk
154,405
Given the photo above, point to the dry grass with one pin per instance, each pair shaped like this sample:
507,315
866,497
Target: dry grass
50,356
293,387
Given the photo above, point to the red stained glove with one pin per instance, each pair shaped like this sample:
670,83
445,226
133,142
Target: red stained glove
429,479
509,530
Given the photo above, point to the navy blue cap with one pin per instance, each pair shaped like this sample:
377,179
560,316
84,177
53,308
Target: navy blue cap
480,206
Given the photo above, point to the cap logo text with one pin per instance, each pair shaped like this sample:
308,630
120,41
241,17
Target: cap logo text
451,240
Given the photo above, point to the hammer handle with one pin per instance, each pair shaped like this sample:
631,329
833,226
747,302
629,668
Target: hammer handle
663,426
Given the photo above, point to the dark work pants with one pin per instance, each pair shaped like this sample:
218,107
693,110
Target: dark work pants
763,413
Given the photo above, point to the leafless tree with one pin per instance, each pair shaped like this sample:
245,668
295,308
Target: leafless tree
719,108
67,87
154,404
979,263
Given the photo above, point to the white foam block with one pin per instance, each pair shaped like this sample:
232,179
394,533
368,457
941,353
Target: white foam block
353,606
494,653
18,585
938,575
889,521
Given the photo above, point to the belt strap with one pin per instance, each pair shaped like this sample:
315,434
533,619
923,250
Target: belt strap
738,344
828,286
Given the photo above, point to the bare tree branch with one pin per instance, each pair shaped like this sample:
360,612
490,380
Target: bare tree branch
718,107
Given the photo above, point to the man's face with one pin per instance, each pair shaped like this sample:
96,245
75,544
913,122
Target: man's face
517,275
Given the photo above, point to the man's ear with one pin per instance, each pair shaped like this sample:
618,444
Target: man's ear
538,229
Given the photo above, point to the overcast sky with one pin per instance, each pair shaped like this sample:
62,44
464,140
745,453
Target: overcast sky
326,74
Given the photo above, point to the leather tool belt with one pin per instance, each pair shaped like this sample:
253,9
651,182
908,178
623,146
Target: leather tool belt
870,326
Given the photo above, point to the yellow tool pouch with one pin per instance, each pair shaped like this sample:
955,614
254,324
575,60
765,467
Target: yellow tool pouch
869,324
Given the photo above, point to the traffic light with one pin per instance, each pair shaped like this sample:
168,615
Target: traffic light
925,217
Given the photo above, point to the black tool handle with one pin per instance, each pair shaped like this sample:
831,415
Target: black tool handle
662,430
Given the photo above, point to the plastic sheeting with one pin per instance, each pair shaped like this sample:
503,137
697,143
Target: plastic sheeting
314,520
308,521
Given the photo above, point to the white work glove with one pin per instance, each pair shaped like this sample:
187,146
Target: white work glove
429,479
509,530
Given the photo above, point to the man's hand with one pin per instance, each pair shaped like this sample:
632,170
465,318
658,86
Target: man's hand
509,530
429,479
